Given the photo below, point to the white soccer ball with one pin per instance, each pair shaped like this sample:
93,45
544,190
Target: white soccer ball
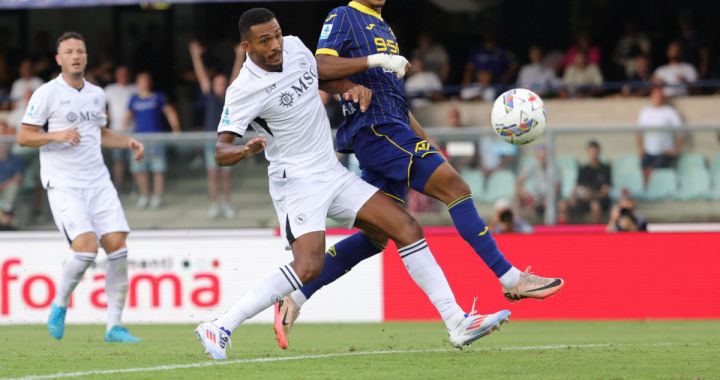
518,116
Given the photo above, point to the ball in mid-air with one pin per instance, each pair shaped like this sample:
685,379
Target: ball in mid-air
518,116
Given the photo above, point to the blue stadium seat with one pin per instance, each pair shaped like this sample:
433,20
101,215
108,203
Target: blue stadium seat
694,184
627,174
500,184
690,160
662,185
476,181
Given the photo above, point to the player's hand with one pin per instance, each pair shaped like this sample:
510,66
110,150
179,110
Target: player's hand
395,63
255,145
70,136
138,148
359,94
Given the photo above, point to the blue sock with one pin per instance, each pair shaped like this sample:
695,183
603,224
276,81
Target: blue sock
476,233
340,258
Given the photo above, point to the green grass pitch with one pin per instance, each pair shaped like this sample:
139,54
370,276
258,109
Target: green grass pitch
522,350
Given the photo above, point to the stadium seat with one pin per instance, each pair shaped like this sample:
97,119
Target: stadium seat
500,184
690,160
662,185
476,180
694,183
627,174
568,174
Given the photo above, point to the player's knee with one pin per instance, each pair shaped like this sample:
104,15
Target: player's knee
409,231
308,270
457,188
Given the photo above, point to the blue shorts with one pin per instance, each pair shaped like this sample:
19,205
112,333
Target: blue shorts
393,158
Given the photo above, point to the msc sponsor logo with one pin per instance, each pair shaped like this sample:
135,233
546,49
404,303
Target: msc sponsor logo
287,99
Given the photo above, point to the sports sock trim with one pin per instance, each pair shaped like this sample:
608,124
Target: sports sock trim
411,246
458,201
119,254
405,252
290,277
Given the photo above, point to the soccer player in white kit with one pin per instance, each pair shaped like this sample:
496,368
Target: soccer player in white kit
66,119
277,94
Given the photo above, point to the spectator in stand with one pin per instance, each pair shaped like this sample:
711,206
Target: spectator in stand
506,220
676,75
592,191
537,76
694,49
213,90
422,86
16,115
147,108
584,45
582,78
11,169
433,55
632,44
641,79
460,154
118,96
659,149
27,81
489,56
623,217
532,183
481,89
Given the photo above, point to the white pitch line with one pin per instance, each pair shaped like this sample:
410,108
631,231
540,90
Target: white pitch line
171,367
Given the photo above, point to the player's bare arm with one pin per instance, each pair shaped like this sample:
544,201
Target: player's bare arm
112,139
349,91
227,153
30,136
416,127
332,67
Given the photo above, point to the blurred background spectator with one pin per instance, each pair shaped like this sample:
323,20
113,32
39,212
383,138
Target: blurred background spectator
26,82
659,148
639,82
537,75
433,55
532,185
632,44
11,169
582,44
148,107
422,85
506,220
481,89
623,217
489,56
118,96
592,190
676,75
582,78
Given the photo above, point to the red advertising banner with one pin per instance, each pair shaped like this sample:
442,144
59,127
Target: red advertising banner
608,276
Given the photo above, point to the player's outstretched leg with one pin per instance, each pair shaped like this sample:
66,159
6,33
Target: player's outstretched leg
307,263
339,259
116,287
448,186
382,214
73,271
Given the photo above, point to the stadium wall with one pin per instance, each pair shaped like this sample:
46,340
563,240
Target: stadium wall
188,276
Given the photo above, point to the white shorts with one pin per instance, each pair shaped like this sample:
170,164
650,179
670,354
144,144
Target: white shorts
303,204
77,211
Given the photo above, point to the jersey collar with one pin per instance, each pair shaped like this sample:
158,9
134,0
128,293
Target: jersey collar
364,9
63,83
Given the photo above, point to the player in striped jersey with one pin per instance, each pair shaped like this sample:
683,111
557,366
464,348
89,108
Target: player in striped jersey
395,155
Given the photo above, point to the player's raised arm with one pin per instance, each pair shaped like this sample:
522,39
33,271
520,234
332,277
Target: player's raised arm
227,153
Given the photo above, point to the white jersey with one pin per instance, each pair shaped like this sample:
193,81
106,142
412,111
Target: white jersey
118,99
285,107
57,106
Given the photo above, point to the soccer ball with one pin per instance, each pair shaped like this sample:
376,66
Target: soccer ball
518,116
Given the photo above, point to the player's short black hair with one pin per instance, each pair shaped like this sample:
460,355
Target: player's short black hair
68,36
252,17
593,144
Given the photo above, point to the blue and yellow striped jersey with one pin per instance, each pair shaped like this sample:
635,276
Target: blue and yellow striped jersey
357,31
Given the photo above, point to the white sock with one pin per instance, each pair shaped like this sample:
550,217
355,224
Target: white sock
510,278
298,297
116,286
268,291
73,271
426,272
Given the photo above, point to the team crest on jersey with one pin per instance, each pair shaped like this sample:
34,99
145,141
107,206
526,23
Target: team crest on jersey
325,33
287,99
71,117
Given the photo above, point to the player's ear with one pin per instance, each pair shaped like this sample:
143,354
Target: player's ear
57,60
245,45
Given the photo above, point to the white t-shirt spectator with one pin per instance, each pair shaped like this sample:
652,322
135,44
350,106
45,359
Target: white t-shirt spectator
478,91
21,86
657,142
536,77
118,98
422,85
676,75
577,76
